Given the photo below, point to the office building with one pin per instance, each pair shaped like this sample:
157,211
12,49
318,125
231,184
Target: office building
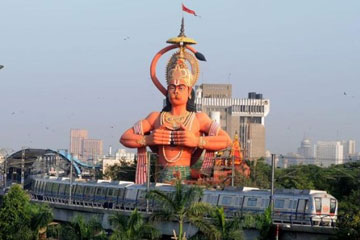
329,152
83,147
349,150
244,116
92,149
77,137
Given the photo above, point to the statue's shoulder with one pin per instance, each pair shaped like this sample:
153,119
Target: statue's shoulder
201,116
153,117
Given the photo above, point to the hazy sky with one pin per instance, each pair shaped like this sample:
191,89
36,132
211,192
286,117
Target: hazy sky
85,64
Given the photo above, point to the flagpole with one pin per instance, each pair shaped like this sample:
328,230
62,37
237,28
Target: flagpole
182,12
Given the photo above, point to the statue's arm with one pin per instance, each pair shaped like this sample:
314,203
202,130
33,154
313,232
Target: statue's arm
156,137
132,140
213,143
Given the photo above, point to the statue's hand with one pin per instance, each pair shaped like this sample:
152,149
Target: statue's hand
158,137
184,137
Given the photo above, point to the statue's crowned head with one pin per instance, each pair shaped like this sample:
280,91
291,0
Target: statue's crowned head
178,71
182,70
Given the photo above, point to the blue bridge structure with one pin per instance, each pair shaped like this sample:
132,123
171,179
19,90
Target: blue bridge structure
21,165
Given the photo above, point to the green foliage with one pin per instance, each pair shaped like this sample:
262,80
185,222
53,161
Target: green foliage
19,219
132,228
122,171
80,229
264,224
349,217
228,229
260,175
181,206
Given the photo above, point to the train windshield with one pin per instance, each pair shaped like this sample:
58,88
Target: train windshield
332,205
318,204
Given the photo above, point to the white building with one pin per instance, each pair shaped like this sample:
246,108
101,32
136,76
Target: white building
349,150
328,153
121,156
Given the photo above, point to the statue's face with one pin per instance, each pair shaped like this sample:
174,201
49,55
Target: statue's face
178,93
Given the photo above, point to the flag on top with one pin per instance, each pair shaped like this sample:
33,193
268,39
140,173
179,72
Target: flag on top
185,9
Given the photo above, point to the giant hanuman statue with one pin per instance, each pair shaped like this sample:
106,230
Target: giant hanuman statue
178,134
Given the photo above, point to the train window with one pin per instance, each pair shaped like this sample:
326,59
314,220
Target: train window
55,188
36,185
252,202
98,191
212,199
265,203
79,189
292,204
87,190
238,201
73,188
279,203
116,192
332,205
61,188
318,204
110,192
141,194
67,189
226,200
48,187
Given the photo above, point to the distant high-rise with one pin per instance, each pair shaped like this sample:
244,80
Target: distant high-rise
245,116
349,149
92,149
84,148
328,153
77,137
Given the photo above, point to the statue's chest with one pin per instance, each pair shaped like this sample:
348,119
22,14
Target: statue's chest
174,123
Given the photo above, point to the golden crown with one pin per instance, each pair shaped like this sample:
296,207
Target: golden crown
177,68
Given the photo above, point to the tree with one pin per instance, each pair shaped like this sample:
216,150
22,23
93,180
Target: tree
122,171
349,217
41,216
19,219
260,175
264,224
228,229
181,206
80,229
132,228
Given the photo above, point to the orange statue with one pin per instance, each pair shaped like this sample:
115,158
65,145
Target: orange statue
178,132
240,164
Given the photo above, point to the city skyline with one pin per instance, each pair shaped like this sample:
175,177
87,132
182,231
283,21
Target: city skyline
82,64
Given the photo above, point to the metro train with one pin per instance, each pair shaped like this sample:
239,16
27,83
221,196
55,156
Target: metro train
306,207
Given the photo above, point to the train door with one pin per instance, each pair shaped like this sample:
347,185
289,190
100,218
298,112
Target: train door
301,209
325,206
318,205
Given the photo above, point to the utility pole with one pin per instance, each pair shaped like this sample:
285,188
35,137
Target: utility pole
5,172
22,167
232,170
272,182
71,173
148,160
